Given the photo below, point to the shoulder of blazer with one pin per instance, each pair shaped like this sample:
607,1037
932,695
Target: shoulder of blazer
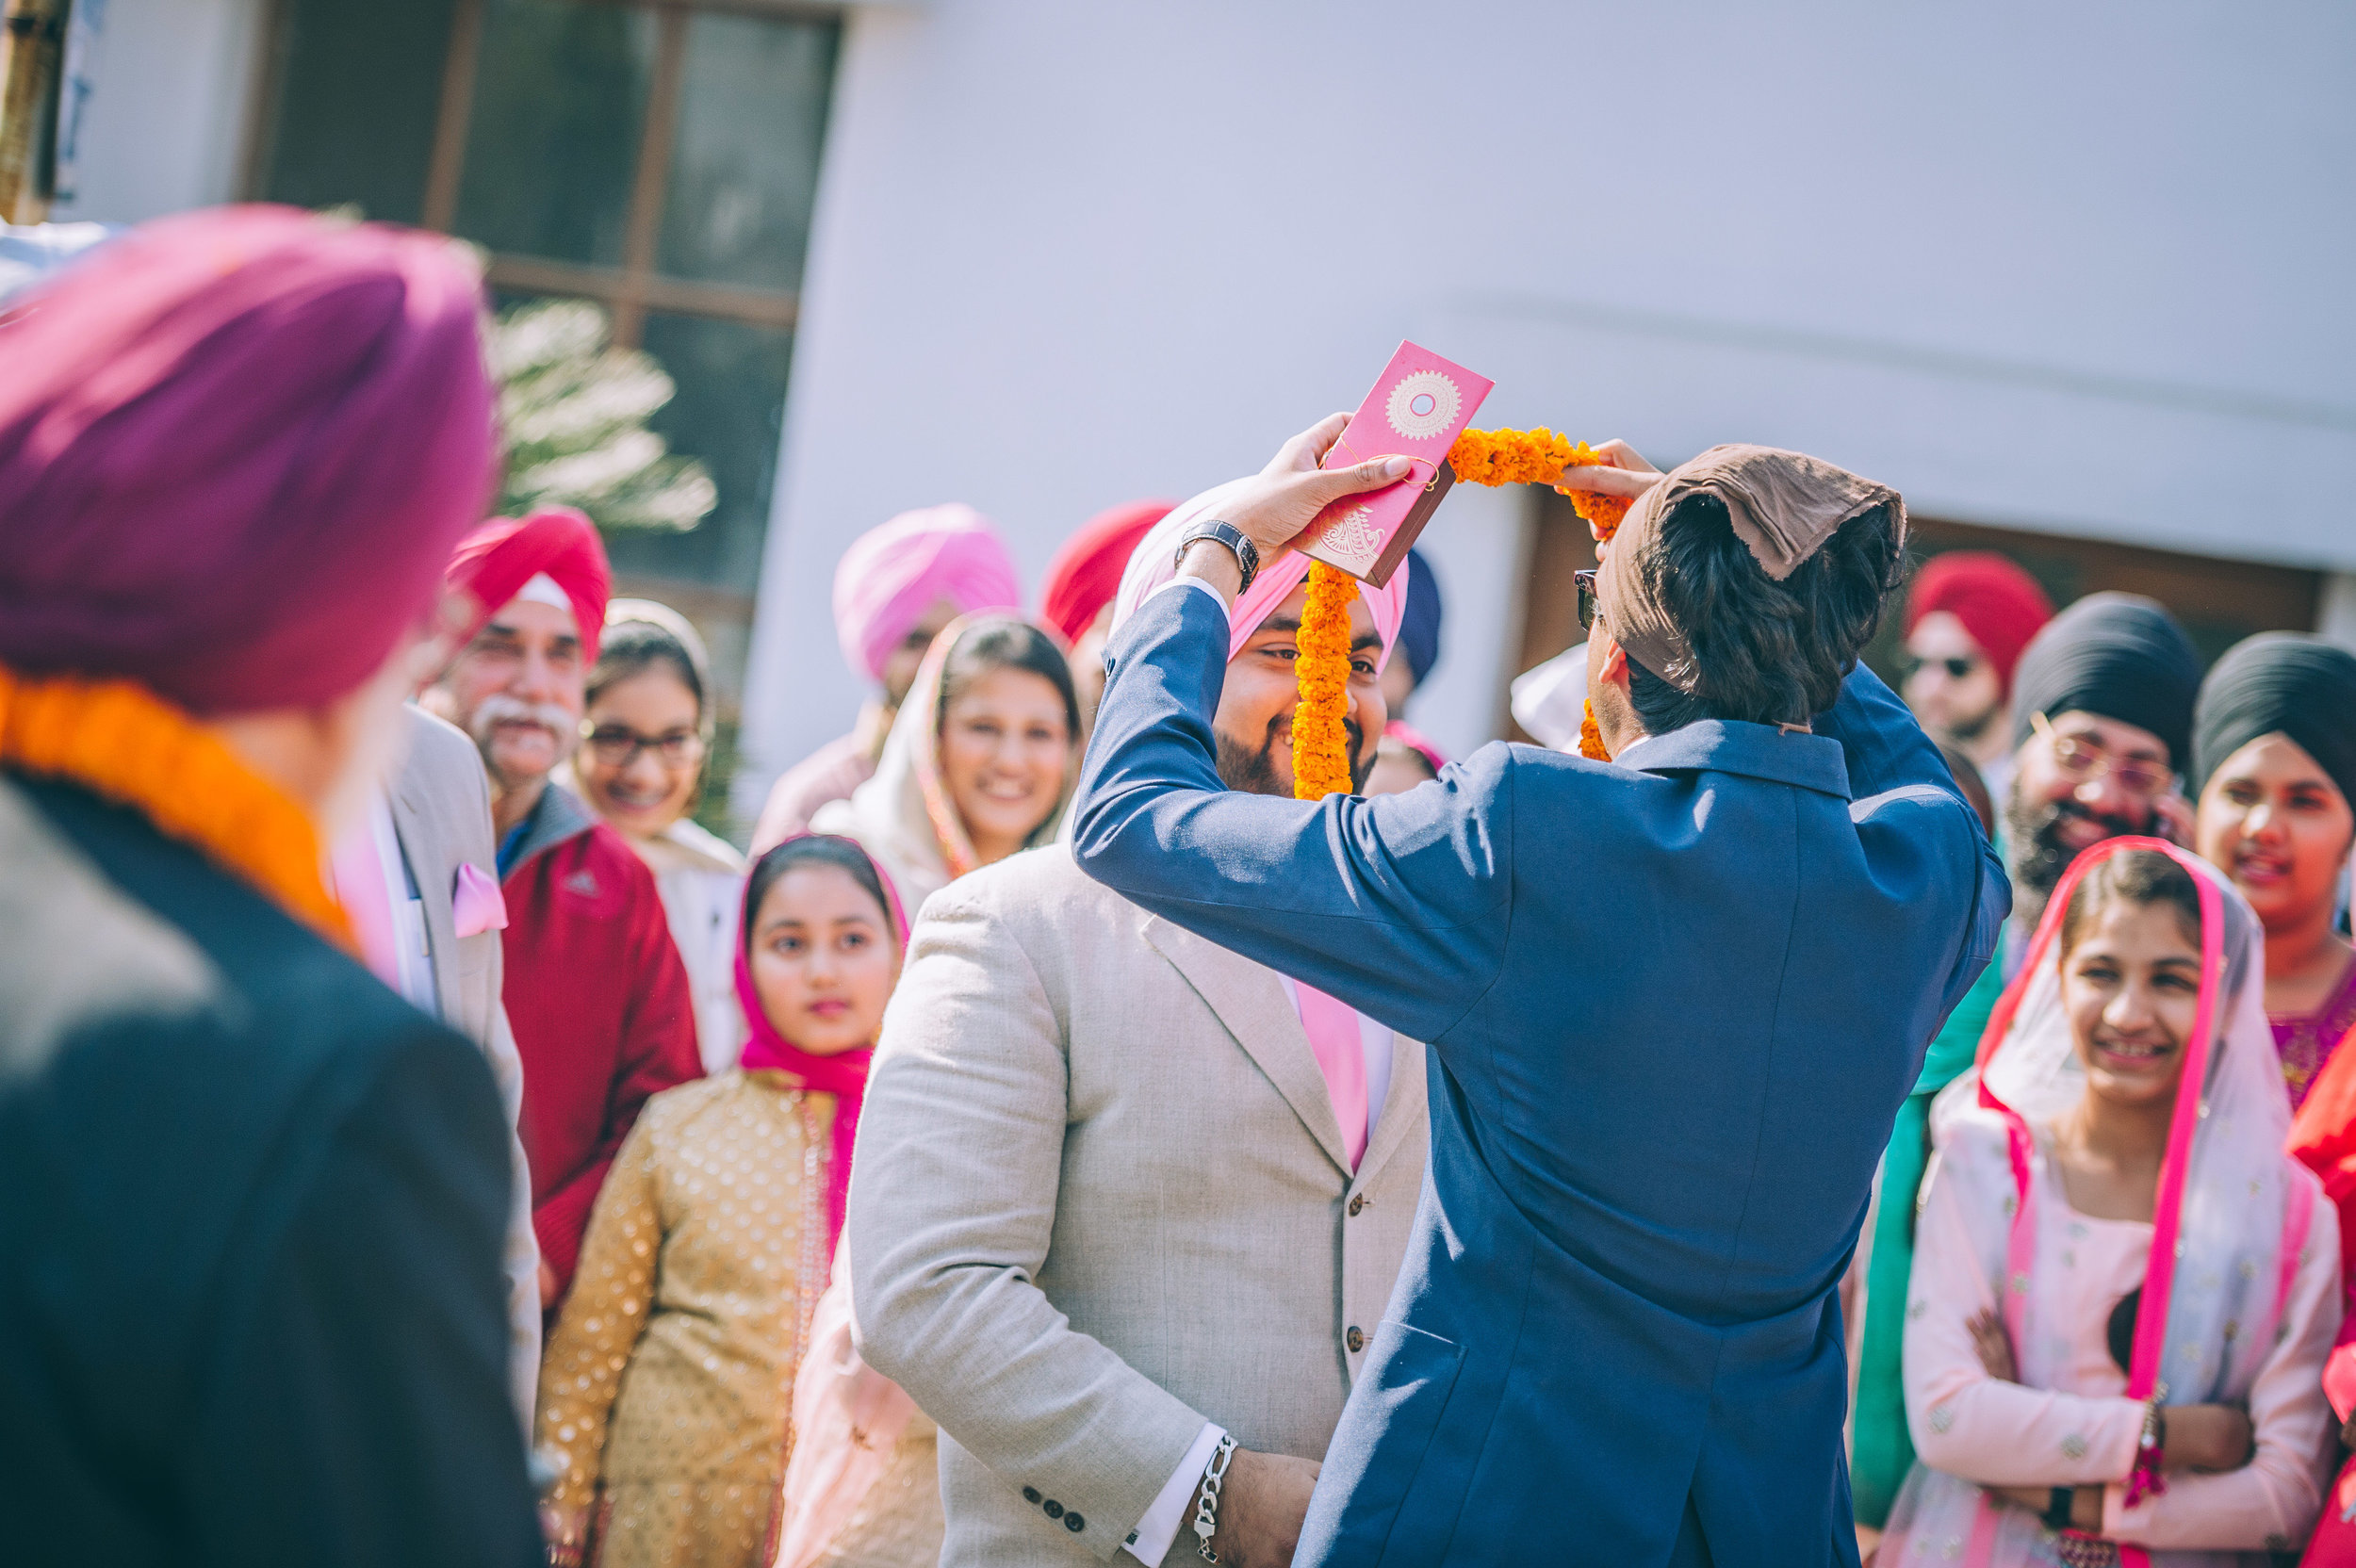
443,774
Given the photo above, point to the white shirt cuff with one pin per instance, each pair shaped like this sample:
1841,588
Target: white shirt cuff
1150,1542
1193,582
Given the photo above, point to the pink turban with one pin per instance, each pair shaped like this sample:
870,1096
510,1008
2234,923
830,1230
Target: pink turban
497,560
236,449
1155,563
893,573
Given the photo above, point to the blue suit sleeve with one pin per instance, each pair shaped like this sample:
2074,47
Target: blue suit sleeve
1887,752
1397,906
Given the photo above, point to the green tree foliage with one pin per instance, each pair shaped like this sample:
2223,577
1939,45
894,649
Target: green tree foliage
574,409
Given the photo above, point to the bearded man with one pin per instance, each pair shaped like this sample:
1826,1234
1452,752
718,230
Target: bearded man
2101,727
1127,1203
594,990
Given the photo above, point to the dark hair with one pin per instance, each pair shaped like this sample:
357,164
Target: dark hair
1764,651
813,849
2139,876
632,647
1008,644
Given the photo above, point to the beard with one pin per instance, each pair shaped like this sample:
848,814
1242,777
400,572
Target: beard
1252,772
2034,847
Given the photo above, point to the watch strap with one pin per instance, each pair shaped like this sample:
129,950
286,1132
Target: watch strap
1237,543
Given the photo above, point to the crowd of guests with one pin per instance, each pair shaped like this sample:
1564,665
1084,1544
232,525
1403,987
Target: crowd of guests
1128,1205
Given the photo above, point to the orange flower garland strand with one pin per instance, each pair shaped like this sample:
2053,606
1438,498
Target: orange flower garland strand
1591,737
122,742
1536,457
1320,741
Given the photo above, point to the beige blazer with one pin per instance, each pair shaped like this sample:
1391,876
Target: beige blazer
1100,1197
441,806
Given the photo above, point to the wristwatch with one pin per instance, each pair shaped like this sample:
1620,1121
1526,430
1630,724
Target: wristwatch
1247,554
2058,1507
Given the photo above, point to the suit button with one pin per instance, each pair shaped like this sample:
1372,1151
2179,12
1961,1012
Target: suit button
1355,1340
1073,1523
1030,1494
1357,1205
1054,1509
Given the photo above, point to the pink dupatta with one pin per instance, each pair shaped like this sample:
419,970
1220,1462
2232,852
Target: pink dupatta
843,1076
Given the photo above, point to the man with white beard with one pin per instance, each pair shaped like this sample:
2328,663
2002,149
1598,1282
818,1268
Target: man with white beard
594,990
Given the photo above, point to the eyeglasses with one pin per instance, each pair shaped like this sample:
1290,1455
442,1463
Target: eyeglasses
1585,584
2084,762
617,746
1957,668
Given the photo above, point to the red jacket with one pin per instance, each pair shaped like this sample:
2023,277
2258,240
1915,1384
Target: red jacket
599,1003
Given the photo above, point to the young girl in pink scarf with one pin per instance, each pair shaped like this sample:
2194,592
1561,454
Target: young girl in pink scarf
2123,1289
665,1391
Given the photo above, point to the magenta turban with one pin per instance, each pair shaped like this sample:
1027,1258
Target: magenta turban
893,573
236,448
494,562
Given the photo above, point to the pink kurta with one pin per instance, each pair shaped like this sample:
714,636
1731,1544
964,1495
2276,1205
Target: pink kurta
2083,1430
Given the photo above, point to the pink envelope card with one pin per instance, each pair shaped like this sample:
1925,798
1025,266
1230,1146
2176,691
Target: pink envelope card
1418,407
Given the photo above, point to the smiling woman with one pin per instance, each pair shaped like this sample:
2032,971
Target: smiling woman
979,761
648,730
2274,755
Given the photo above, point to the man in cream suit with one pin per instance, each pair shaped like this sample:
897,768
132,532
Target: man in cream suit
1123,1198
422,890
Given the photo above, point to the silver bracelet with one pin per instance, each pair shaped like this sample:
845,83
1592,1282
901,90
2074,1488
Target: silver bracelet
1206,1512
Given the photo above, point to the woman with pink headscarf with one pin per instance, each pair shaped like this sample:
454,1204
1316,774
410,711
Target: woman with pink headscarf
897,587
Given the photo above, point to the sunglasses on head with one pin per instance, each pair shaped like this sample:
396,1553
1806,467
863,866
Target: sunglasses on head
1585,582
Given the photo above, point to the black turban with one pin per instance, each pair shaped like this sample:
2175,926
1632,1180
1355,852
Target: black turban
2278,681
2120,656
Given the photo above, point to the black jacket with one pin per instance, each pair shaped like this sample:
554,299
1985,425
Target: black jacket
251,1211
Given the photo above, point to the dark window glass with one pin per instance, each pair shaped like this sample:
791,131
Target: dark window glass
359,82
560,105
729,411
745,164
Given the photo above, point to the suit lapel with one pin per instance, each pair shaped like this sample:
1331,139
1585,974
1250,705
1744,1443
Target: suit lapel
1402,1108
441,924
1250,1001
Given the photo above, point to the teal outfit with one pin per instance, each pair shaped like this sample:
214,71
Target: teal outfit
1881,1450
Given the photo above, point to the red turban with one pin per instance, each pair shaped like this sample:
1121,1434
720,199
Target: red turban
235,447
1999,604
498,559
1085,574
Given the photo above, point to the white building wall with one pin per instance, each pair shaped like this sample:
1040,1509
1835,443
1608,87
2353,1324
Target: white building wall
167,117
2078,268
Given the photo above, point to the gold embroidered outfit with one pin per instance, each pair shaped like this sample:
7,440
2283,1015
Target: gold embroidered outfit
668,1378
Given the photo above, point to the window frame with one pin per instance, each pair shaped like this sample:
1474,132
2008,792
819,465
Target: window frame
636,287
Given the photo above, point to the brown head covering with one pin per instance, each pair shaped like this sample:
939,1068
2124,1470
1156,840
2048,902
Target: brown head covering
1783,505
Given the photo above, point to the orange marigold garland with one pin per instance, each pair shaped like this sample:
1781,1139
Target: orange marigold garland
1320,741
1536,457
1590,737
122,743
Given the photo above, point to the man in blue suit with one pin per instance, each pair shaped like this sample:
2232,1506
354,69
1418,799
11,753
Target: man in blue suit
1674,1002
